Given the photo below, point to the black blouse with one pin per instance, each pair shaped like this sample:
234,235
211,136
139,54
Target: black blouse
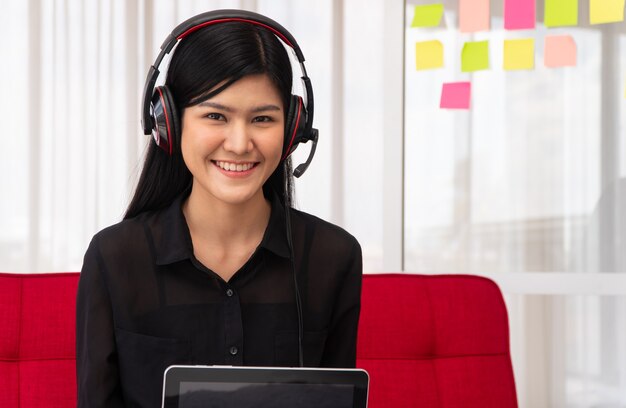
145,302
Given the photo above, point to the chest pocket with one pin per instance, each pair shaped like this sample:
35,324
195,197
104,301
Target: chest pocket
286,348
143,360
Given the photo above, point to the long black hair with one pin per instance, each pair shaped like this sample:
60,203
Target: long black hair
218,54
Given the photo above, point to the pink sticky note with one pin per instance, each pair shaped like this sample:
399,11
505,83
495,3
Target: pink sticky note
455,95
559,51
519,14
473,15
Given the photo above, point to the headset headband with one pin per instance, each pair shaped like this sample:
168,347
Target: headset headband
214,17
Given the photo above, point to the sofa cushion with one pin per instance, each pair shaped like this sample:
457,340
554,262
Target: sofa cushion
435,341
37,343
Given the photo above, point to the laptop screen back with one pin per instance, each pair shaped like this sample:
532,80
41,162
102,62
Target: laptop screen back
259,387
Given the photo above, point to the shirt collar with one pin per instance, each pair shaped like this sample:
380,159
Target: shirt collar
175,242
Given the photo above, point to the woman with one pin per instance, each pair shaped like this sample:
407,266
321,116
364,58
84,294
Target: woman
210,265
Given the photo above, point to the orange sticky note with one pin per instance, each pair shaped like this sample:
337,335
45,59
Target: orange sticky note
455,95
428,55
559,51
473,15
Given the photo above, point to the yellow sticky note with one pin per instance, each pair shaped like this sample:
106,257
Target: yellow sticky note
428,15
519,54
606,11
475,56
559,13
428,55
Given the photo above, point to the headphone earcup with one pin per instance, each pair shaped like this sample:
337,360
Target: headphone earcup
165,126
295,125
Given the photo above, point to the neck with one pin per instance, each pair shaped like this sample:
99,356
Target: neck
224,223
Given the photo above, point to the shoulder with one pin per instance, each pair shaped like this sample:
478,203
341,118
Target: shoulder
323,235
122,238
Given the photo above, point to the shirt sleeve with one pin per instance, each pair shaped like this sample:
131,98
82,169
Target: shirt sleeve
97,372
340,348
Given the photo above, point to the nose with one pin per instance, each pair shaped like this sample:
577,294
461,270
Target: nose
238,140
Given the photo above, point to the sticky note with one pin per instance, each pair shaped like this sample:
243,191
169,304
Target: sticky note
559,13
428,55
473,15
559,51
428,15
519,14
519,54
475,56
455,95
606,11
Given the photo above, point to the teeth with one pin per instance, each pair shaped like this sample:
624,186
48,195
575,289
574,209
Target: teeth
233,166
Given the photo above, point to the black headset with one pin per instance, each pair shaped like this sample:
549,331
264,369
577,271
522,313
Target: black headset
160,117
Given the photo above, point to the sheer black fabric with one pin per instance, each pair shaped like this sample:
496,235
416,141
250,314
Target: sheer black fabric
145,302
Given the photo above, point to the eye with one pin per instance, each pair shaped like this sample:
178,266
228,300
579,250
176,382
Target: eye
215,116
263,119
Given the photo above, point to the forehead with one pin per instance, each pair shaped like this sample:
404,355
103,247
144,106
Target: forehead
249,90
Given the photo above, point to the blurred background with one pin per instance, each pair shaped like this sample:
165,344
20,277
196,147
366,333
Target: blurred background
527,187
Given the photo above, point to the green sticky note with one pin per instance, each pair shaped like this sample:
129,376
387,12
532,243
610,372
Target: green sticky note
428,15
519,54
475,56
428,55
606,11
559,13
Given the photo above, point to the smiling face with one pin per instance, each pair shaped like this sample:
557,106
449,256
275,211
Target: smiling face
232,142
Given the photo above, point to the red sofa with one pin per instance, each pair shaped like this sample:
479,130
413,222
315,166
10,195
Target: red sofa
427,341
37,340
435,341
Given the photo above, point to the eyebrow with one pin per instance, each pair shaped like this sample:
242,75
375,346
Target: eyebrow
262,108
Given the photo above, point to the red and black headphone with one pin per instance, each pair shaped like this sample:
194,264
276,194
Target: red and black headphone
159,115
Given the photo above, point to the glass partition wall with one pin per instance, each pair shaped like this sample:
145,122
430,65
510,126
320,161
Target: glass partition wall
526,185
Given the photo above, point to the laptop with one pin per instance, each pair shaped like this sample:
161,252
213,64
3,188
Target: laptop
261,387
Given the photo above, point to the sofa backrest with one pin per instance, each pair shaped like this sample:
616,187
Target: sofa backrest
435,341
427,341
37,340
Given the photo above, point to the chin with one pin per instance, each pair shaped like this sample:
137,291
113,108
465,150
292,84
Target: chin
234,197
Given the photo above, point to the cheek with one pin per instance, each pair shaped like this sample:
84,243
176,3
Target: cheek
196,141
277,149
187,149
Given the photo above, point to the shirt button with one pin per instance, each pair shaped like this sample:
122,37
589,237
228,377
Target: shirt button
229,292
233,350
